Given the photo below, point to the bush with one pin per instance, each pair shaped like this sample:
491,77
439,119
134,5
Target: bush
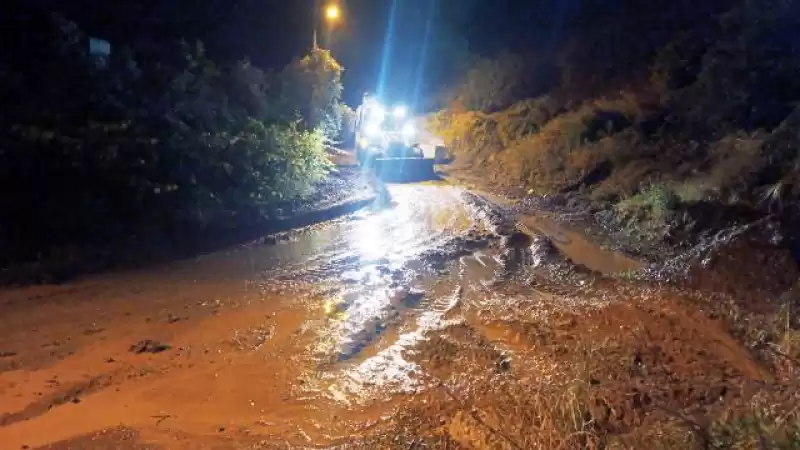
312,86
94,155
655,201
348,116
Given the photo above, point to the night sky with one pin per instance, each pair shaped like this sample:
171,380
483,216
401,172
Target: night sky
406,49
428,38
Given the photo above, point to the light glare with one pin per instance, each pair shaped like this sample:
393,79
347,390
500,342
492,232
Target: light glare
332,12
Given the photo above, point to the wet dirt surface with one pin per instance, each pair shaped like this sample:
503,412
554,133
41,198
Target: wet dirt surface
431,323
267,339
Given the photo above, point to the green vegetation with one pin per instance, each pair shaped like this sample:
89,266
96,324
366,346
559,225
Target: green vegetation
654,201
705,112
169,147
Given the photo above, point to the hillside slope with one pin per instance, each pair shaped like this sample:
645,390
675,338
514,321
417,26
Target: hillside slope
708,119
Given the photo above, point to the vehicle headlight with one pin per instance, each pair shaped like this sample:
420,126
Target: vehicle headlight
363,142
377,114
373,129
400,111
409,130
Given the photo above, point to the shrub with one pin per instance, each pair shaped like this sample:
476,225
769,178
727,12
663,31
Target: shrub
348,116
94,155
312,86
655,201
716,120
759,429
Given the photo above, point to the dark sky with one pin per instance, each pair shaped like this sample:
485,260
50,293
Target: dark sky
402,47
273,32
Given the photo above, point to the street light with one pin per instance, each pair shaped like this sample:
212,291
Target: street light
333,13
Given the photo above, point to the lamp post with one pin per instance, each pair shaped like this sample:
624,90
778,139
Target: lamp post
332,14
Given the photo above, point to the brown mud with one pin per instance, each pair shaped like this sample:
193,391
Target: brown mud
433,323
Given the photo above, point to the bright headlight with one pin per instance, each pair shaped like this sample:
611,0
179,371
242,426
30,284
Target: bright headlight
377,114
373,129
408,129
400,111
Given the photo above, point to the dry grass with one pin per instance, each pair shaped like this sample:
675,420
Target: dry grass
612,150
535,142
757,429
527,417
761,428
730,163
675,435
624,181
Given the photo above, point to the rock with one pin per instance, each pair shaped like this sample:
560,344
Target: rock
148,346
405,295
504,364
173,319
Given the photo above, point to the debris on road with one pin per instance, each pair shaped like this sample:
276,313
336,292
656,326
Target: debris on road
149,346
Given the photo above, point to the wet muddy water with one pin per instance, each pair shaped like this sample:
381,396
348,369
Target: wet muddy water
332,335
276,339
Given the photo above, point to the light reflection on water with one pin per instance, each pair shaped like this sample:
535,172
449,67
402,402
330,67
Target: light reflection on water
376,317
419,218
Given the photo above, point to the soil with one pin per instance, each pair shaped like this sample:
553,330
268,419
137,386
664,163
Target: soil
447,320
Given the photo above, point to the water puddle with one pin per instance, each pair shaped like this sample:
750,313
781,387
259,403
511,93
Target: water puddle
573,244
578,248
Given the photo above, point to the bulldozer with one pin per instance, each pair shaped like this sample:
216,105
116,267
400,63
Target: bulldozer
387,142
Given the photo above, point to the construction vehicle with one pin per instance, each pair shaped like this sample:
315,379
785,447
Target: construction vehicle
387,141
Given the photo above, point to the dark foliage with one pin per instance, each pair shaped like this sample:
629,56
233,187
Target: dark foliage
658,105
98,151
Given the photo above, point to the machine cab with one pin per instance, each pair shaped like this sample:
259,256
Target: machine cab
380,129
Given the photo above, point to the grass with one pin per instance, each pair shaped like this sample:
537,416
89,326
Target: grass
759,429
621,152
537,142
540,417
755,430
786,327
695,190
656,201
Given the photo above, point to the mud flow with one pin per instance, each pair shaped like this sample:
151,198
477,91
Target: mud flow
433,322
292,339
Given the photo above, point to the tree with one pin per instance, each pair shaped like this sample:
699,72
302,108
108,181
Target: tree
312,86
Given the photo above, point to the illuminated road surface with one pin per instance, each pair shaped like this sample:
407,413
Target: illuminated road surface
429,324
265,342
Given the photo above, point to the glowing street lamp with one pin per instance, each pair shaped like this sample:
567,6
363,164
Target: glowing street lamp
333,12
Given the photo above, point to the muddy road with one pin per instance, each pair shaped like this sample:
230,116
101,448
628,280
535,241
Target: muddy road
432,323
